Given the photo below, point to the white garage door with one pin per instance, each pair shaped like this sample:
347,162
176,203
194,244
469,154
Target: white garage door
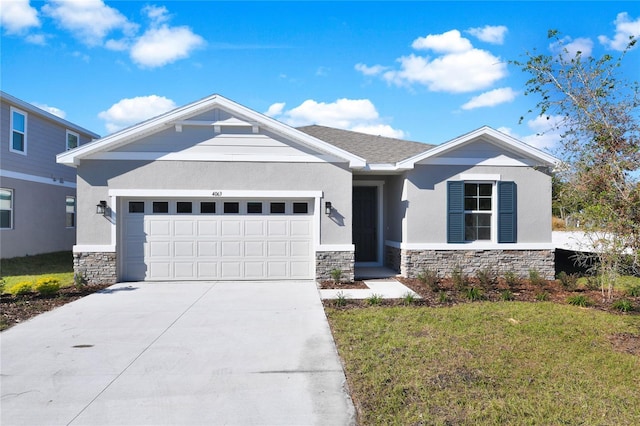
166,240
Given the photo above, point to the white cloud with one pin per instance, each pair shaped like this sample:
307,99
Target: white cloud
350,114
90,21
458,68
373,70
17,16
39,39
449,42
489,34
52,110
572,47
625,27
130,111
547,132
491,98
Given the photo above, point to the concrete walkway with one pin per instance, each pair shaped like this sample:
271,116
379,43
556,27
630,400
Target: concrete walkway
224,353
386,288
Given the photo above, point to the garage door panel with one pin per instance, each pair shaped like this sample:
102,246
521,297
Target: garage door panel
214,246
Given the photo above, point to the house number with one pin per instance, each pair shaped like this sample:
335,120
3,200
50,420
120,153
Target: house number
217,193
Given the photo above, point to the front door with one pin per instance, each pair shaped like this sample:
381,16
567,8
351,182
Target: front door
365,223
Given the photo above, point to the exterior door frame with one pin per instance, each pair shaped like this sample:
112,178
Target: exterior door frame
380,230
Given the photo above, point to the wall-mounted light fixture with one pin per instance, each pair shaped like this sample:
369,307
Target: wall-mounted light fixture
101,207
327,207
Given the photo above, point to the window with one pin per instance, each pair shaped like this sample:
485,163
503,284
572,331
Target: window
161,207
136,206
184,207
277,208
73,140
70,212
254,208
6,208
18,131
477,211
231,207
207,207
300,208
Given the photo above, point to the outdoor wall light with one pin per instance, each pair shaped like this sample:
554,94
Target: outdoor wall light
327,208
101,207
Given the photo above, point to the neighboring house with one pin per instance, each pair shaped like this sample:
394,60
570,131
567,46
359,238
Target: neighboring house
37,195
216,191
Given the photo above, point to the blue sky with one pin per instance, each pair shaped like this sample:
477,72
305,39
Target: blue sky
425,71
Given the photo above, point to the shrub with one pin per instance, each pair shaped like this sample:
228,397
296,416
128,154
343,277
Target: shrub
558,224
535,278
506,295
593,282
578,300
47,286
336,274
473,293
2,283
442,297
511,279
568,281
78,280
341,299
374,299
408,298
622,305
21,288
485,277
633,291
543,296
430,278
459,279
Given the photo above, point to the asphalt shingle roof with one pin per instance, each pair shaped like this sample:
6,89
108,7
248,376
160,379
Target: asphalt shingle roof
374,149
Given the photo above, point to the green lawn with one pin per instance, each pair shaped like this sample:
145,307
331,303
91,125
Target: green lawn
488,363
30,268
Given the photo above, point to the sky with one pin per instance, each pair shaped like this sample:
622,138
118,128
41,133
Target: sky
426,71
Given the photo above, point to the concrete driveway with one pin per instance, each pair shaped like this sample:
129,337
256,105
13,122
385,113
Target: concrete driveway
206,353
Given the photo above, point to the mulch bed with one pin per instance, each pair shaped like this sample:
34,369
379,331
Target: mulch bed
328,285
16,309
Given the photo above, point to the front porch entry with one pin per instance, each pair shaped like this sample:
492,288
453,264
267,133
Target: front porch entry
367,223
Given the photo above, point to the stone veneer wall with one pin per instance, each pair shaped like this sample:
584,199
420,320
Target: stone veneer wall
412,262
327,261
96,268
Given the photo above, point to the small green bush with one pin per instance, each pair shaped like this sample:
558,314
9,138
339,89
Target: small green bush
442,297
408,298
593,282
47,286
78,280
511,279
473,293
535,278
374,299
2,283
430,278
459,279
543,296
568,281
623,305
336,274
341,299
506,295
485,277
633,291
21,288
579,300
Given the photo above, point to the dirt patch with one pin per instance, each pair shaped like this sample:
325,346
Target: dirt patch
16,309
332,285
626,342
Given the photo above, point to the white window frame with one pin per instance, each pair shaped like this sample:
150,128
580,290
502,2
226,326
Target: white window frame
12,130
493,212
66,141
11,208
67,212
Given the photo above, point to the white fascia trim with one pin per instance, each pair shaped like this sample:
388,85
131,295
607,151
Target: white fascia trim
193,156
94,248
335,247
470,246
502,160
480,177
54,181
212,193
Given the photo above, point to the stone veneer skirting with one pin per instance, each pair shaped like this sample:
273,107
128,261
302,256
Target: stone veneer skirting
327,261
96,267
410,263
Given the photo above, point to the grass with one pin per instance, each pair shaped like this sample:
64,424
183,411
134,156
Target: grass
488,363
58,265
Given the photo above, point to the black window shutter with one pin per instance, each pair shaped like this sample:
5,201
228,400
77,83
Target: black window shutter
507,212
455,212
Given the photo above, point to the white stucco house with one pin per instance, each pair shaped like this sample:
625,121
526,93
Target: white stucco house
216,191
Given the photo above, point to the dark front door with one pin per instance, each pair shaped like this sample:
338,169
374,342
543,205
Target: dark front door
365,223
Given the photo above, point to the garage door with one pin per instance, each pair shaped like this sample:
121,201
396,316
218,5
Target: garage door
166,240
